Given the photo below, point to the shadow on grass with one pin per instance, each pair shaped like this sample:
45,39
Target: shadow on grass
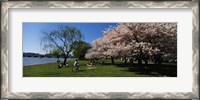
81,70
168,70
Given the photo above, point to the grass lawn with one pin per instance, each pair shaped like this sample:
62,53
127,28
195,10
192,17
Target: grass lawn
107,70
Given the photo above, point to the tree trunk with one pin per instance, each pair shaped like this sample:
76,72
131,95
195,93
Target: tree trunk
139,61
146,61
131,60
112,60
125,61
140,58
65,60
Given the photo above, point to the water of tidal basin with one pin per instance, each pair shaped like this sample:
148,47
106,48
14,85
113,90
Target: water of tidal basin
37,60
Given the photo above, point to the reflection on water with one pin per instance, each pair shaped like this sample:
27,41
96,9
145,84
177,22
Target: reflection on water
36,60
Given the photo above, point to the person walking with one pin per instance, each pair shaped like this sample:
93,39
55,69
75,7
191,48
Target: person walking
76,66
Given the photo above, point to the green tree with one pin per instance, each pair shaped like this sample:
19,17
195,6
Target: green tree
62,38
81,49
57,53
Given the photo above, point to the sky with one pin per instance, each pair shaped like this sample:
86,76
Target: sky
32,33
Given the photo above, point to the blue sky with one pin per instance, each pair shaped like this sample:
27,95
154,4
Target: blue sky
32,33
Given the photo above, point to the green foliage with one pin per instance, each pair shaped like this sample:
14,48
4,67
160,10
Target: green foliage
80,49
57,53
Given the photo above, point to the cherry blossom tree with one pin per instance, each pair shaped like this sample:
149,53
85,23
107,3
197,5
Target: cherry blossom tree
98,50
137,40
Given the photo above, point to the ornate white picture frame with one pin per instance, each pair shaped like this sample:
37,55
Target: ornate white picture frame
6,5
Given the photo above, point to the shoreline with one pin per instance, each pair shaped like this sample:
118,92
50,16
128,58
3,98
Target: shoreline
46,62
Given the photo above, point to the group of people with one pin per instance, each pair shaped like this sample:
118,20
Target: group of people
75,66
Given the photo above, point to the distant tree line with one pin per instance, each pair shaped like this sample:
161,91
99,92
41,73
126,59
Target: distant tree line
49,55
30,54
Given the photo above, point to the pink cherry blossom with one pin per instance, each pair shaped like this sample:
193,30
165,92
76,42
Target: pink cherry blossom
130,39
